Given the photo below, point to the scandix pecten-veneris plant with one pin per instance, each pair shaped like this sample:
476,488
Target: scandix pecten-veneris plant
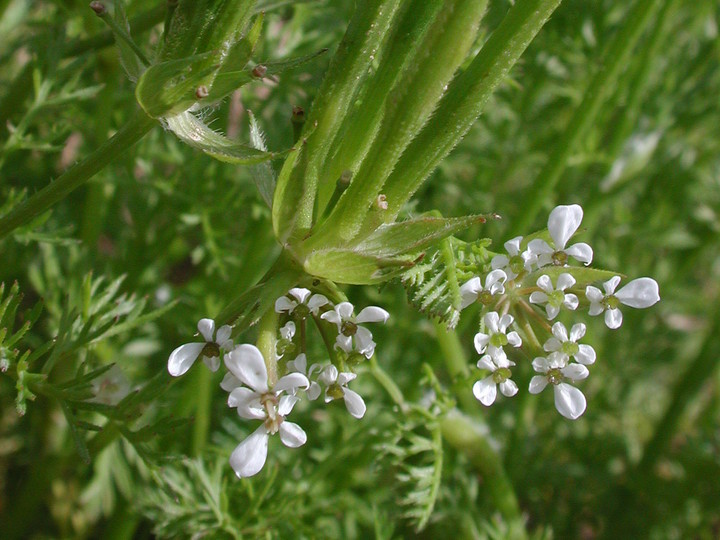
402,89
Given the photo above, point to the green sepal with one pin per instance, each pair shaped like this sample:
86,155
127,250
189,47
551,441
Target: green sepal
171,87
355,268
583,275
193,131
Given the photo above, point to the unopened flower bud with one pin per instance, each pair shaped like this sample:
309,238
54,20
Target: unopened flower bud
259,71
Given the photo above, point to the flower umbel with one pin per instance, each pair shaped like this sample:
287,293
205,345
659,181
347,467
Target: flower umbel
639,293
485,390
336,387
568,346
569,401
182,358
300,302
555,298
515,262
349,329
473,290
562,224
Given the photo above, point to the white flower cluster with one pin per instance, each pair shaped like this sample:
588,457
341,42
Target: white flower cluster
256,397
565,360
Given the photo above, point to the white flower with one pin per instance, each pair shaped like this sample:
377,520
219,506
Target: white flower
288,331
336,387
568,346
639,293
497,336
569,401
514,262
258,401
299,365
473,289
182,358
555,298
562,224
485,390
349,328
300,297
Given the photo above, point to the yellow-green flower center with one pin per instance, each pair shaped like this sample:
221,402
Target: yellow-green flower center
348,328
335,391
211,350
501,375
570,348
498,340
559,258
555,376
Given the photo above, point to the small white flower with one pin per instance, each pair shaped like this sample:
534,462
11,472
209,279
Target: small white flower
639,293
299,365
336,387
473,290
288,331
569,401
311,303
485,390
349,328
562,224
497,336
514,262
182,358
568,346
258,401
555,298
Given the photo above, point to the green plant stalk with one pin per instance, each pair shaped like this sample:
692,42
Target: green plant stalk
266,341
614,60
408,108
134,130
201,421
295,194
121,33
360,128
465,100
464,434
388,384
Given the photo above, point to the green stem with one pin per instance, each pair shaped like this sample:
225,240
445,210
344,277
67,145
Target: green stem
614,60
456,363
466,436
134,130
266,341
121,33
201,422
388,384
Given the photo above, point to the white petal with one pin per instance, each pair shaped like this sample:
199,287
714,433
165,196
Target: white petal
557,360
230,382
613,318
563,222
291,382
581,252
486,362
364,340
564,281
329,375
594,294
560,332
575,372
577,331
538,297
485,391
585,355
496,277
241,395
345,377
332,317
345,310
545,283
212,362
283,304
505,321
540,364
247,403
639,293
249,456
344,342
611,284
492,321
481,340
314,391
246,362
316,302
372,314
537,384
206,327
552,311
300,294
571,301
499,261
469,291
299,364
512,246
288,331
596,309
292,435
223,333
569,401
552,344
539,247
354,403
182,358
514,339
286,404
508,388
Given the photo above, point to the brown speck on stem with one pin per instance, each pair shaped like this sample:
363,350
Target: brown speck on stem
259,71
202,92
98,8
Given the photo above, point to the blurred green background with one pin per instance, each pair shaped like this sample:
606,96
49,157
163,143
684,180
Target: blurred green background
643,461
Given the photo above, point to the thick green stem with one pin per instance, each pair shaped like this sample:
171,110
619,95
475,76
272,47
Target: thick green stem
135,129
466,436
615,59
388,384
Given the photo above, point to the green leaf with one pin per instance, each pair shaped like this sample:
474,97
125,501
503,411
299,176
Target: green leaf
353,268
194,132
132,65
171,87
263,174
